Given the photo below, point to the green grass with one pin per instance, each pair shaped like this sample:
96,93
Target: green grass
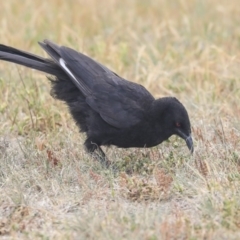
51,189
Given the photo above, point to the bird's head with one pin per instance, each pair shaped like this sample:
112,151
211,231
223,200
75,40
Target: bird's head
175,121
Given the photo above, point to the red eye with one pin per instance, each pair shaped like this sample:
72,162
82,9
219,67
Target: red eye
178,124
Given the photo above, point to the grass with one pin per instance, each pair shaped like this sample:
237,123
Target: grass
51,189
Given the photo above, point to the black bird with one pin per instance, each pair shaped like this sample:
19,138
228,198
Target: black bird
108,108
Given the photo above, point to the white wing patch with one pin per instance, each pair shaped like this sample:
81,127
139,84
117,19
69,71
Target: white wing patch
63,64
84,89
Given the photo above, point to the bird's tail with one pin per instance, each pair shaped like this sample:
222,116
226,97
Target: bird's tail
14,55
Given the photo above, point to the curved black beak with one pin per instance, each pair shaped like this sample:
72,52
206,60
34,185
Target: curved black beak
188,140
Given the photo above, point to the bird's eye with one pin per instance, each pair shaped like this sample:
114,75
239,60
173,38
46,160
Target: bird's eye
178,124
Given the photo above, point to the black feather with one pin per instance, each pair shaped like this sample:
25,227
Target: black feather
108,108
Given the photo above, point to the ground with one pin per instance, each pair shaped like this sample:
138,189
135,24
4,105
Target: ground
52,189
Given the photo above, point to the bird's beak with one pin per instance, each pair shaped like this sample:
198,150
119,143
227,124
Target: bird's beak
189,142
188,139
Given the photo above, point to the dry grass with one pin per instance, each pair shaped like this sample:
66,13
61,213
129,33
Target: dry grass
51,189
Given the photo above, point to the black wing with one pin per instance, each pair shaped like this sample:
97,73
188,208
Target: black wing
113,97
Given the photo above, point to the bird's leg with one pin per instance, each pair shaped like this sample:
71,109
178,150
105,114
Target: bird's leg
101,152
97,152
102,157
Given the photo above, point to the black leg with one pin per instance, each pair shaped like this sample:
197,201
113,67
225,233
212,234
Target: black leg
102,157
97,152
